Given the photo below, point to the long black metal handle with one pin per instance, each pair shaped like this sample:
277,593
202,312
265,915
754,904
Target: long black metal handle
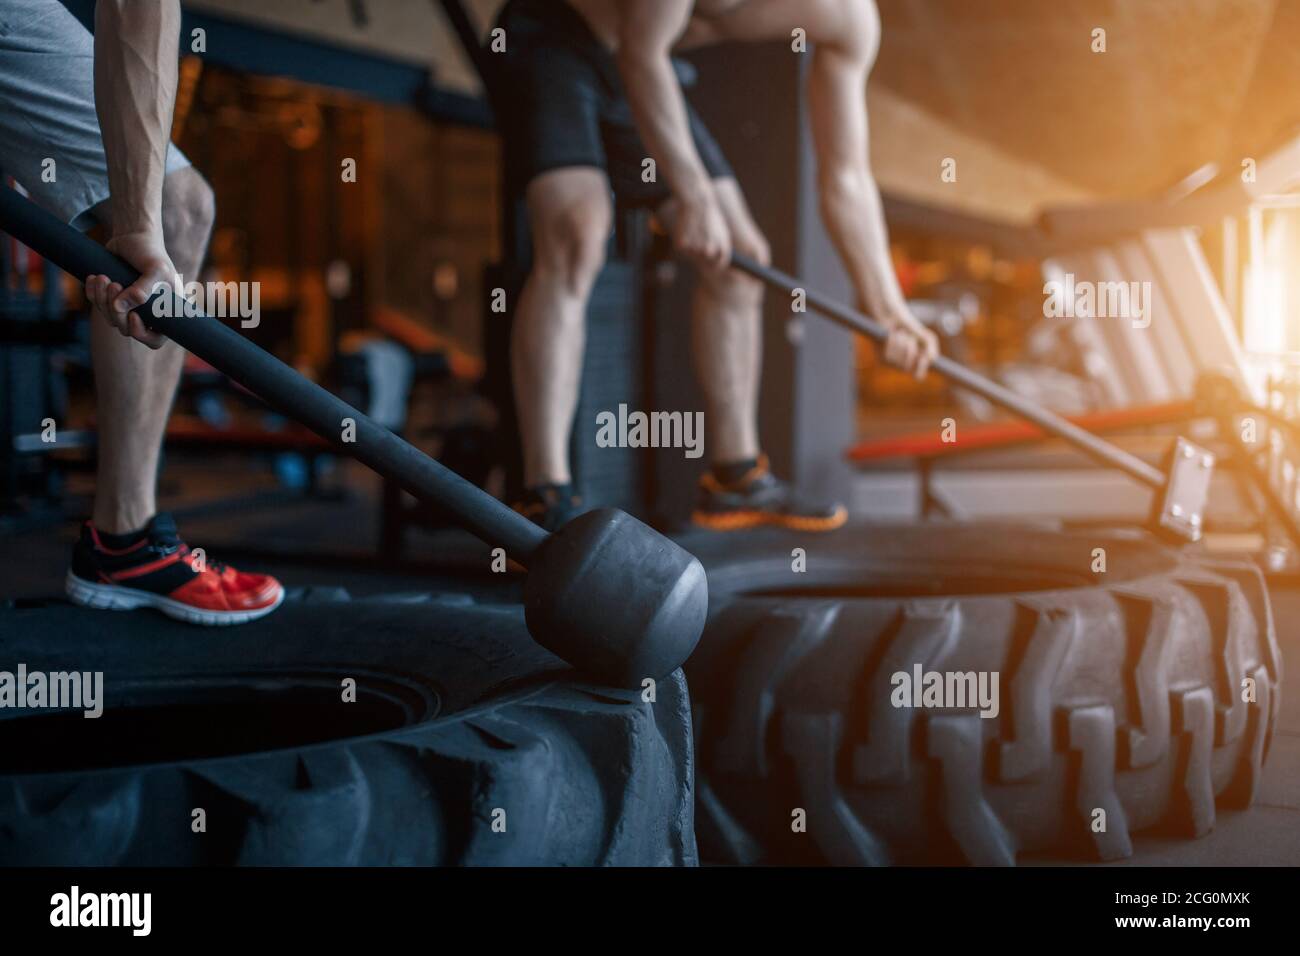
279,385
1100,449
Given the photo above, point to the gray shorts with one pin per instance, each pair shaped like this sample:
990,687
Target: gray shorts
47,110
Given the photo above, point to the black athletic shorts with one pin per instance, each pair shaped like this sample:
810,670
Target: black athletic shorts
559,102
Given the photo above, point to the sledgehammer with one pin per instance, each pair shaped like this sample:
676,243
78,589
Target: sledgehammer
1181,490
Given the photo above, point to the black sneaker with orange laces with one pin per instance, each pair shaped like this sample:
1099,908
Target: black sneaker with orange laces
156,569
550,507
751,495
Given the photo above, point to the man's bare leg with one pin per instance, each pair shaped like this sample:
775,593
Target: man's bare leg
727,338
570,213
134,384
739,491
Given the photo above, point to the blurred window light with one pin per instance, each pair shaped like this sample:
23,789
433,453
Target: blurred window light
1271,313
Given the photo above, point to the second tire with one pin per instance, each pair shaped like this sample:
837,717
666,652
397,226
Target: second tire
1138,691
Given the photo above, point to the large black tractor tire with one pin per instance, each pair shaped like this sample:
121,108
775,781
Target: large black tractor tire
466,744
1138,698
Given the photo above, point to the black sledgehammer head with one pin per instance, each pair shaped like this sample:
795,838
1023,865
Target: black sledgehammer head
616,598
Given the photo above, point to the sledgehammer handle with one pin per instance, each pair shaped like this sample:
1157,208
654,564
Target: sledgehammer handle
1102,451
279,385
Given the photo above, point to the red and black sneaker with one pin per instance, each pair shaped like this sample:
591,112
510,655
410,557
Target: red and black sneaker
160,571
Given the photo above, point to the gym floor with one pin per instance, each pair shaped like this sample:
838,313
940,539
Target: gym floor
329,542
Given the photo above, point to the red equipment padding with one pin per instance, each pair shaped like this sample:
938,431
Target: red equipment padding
1009,434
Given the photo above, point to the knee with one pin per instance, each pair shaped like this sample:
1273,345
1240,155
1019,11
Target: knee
735,288
571,245
755,246
189,210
